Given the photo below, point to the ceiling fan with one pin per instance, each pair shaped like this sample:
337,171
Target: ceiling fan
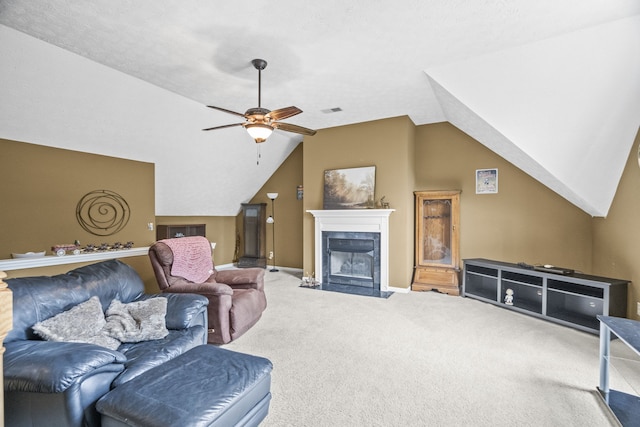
260,122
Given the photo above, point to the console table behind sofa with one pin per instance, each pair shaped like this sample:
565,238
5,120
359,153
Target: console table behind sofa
6,323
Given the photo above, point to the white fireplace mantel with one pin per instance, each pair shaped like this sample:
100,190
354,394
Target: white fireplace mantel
354,220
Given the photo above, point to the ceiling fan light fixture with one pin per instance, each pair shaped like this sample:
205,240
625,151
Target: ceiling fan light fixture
259,131
260,122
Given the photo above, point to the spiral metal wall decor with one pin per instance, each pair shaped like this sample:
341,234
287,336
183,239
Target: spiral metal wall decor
102,212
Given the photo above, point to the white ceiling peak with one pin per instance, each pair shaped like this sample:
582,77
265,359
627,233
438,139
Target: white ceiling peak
564,110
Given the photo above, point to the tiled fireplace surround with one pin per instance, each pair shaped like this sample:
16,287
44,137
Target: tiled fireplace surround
353,221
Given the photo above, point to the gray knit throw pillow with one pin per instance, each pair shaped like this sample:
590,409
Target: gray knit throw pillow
82,323
137,321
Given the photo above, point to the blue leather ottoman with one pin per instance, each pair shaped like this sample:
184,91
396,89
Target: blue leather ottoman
206,386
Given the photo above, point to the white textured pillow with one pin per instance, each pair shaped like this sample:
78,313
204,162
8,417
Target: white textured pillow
137,321
82,323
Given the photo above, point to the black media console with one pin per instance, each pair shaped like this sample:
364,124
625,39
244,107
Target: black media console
573,300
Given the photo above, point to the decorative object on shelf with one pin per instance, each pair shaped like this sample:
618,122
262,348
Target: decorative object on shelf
61,250
508,298
103,247
102,212
271,220
260,122
382,204
299,192
28,255
486,181
351,188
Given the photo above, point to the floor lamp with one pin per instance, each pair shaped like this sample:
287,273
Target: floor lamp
271,220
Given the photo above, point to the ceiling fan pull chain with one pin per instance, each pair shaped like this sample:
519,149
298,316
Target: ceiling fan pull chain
258,155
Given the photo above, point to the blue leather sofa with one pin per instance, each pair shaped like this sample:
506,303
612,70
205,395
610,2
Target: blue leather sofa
51,383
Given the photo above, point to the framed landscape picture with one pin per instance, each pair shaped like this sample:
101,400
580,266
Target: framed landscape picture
351,188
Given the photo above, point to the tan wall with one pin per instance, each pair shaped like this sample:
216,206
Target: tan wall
385,144
617,237
525,221
288,211
41,187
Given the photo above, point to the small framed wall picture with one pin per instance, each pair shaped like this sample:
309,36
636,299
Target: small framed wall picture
486,181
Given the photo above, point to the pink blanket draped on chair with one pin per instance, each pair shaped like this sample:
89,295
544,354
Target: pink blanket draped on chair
191,258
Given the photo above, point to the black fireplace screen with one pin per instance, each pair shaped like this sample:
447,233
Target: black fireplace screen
351,258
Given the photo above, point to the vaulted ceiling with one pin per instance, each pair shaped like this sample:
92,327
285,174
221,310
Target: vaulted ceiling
550,85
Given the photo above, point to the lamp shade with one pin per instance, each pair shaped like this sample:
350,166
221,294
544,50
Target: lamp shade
272,196
258,131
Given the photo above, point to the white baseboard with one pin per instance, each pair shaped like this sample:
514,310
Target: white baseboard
226,267
232,266
299,270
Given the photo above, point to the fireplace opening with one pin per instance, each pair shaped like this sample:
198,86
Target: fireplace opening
351,262
351,259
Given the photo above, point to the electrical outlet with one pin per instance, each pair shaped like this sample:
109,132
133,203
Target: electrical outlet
270,254
638,309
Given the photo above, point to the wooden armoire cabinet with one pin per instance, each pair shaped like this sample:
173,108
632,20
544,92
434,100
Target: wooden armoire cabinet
437,240
254,233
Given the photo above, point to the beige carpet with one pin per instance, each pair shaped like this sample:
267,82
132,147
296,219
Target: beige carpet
420,359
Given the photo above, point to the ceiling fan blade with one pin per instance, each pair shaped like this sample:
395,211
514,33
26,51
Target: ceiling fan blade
226,111
283,113
224,126
294,128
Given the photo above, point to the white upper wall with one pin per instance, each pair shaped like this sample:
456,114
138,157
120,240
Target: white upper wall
55,98
565,109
